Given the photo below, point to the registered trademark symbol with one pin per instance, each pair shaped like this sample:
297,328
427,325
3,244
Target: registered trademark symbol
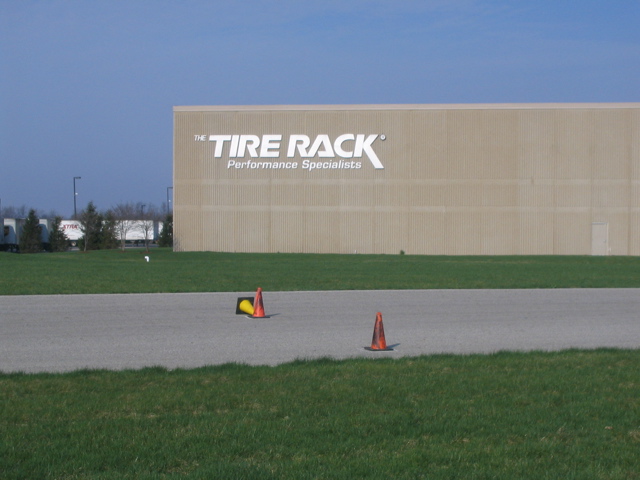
383,137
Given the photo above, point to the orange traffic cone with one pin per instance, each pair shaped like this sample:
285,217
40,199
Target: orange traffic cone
379,343
258,307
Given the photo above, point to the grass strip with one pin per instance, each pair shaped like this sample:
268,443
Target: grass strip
128,272
571,415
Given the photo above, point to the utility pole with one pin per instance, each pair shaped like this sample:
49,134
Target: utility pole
169,200
75,194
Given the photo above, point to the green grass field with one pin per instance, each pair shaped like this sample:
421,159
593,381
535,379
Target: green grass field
565,415
117,272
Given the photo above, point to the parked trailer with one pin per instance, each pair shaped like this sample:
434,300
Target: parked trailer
44,229
73,231
12,229
135,230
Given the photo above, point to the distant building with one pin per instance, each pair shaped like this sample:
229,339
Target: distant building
513,179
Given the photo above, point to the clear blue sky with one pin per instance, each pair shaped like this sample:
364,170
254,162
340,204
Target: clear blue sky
87,87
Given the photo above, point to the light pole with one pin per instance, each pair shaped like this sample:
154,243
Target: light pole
75,194
169,200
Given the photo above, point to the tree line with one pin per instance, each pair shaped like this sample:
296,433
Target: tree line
100,230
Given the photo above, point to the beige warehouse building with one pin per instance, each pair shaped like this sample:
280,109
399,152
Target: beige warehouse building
513,179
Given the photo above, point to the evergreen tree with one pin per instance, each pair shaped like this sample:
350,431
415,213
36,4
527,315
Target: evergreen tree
108,237
58,241
166,236
91,226
30,237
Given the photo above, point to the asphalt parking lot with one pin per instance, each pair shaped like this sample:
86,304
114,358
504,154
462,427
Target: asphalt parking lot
57,333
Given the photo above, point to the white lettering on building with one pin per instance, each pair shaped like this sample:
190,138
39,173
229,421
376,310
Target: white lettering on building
346,146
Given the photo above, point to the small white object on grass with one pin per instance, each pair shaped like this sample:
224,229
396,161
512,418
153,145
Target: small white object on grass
146,258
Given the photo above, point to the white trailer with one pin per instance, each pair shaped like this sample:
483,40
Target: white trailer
44,230
72,229
137,230
141,229
12,231
11,228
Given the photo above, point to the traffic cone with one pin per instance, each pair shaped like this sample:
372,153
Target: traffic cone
258,307
379,343
244,305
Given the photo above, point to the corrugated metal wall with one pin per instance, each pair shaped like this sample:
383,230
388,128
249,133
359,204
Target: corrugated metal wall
457,180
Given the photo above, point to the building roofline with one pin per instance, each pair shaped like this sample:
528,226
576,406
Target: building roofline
462,106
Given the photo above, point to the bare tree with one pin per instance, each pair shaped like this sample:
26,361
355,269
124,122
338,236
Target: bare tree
22,212
15,212
146,223
125,215
48,214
